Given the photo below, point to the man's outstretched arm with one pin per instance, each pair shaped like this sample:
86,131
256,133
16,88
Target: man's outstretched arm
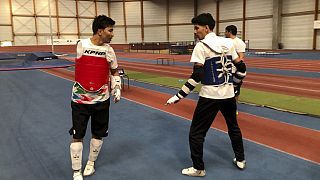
192,82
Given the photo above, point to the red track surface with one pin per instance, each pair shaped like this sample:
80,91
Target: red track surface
288,85
284,64
298,141
296,86
256,62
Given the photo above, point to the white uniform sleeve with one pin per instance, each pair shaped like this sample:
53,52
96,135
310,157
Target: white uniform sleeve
234,53
198,54
240,45
79,49
111,56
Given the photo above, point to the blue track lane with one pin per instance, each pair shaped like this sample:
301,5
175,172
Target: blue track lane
143,144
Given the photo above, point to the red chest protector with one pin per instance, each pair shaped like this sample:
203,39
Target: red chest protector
91,72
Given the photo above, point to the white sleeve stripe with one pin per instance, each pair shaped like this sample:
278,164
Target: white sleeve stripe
193,82
241,74
185,89
180,96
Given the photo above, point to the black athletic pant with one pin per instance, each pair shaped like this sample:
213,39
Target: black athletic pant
203,117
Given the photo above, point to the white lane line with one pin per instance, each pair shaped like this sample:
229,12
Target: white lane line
284,87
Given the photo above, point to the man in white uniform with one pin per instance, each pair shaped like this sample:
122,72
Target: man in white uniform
240,46
213,57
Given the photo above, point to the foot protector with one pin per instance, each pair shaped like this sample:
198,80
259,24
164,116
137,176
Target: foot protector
89,169
77,175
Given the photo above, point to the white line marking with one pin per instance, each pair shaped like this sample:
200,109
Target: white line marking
284,87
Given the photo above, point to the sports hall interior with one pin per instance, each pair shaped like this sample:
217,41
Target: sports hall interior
153,40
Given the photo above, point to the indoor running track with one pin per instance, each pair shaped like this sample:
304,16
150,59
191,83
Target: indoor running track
144,143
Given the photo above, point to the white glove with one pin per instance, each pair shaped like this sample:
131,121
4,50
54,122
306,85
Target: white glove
115,81
172,100
116,92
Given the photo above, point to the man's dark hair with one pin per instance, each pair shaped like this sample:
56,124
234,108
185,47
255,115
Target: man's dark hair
204,19
101,22
232,29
